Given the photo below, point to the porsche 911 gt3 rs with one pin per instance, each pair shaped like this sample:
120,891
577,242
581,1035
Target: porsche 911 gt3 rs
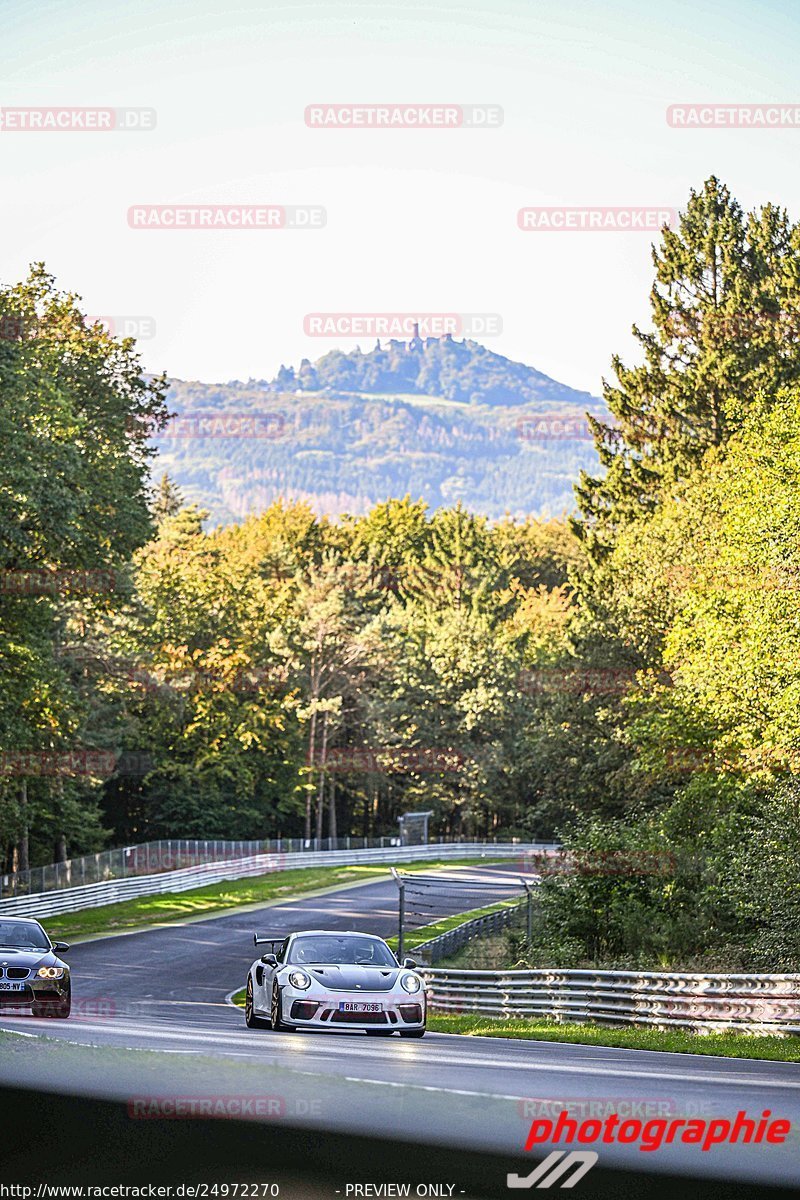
321,979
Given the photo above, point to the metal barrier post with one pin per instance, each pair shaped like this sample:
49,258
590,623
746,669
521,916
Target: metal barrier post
401,913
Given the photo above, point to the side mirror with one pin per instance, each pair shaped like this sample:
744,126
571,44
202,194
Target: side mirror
410,963
61,947
269,960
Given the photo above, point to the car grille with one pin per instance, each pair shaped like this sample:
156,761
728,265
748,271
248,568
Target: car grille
356,1018
16,972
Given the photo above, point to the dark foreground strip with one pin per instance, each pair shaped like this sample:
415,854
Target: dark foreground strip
64,1139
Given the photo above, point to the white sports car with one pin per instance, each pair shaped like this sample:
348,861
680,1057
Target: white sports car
327,980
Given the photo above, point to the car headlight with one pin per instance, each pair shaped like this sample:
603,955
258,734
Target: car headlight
50,972
299,979
410,982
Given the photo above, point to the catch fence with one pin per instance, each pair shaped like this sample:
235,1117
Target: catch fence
113,891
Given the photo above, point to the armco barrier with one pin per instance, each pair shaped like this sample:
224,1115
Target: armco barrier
706,1003
167,854
113,891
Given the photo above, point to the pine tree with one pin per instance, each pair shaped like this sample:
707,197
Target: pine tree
726,314
168,500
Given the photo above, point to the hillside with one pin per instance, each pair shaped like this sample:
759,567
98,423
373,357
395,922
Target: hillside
464,372
440,419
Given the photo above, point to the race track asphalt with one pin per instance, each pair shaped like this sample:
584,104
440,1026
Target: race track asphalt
165,989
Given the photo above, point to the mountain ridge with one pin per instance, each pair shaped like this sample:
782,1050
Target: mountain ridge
437,418
463,371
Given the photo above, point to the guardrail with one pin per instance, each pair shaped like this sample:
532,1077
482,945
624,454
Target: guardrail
114,891
448,943
168,854
705,1003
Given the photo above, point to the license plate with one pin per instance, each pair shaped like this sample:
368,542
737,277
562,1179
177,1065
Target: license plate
359,1006
12,987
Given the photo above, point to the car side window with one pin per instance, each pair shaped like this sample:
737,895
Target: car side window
281,955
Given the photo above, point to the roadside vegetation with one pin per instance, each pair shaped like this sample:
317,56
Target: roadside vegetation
490,953
425,933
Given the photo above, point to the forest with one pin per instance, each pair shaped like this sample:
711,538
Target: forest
625,679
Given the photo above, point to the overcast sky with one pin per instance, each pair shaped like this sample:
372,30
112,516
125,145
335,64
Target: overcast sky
417,220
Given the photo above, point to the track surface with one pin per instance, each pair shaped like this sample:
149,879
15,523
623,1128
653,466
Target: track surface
165,989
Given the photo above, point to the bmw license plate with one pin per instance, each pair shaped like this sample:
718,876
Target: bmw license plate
359,1006
11,987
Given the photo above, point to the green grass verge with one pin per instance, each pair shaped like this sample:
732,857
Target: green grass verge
425,932
675,1041
220,897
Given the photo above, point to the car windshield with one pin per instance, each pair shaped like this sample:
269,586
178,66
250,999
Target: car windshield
361,951
23,935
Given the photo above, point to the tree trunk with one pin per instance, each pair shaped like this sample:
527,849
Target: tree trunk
311,751
332,815
60,854
321,784
24,838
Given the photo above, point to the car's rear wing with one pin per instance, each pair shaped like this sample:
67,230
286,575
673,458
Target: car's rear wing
261,939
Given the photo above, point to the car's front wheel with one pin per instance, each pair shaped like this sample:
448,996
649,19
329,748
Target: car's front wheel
250,1018
278,1024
